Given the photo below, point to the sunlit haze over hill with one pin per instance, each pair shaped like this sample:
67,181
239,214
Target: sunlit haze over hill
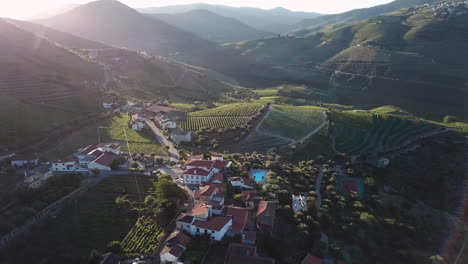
23,9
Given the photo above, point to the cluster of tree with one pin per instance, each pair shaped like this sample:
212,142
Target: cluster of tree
161,202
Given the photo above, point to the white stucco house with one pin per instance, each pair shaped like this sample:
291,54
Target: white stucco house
199,171
200,222
25,160
176,244
37,177
103,162
137,123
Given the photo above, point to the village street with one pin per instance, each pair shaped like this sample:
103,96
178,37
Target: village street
173,153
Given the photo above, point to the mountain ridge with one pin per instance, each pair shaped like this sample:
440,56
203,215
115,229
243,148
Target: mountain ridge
261,19
213,27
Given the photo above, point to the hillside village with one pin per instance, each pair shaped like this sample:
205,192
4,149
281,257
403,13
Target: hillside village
130,140
447,9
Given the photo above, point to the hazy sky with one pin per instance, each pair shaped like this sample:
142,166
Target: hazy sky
27,8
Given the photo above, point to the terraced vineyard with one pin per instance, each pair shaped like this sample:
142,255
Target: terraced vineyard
195,123
143,237
360,133
238,109
221,117
292,122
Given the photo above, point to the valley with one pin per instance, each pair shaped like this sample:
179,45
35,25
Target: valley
203,133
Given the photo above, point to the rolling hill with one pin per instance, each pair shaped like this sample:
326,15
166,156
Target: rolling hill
359,14
212,27
277,20
414,58
113,23
42,86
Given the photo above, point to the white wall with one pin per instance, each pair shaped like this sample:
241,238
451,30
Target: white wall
94,165
168,258
63,166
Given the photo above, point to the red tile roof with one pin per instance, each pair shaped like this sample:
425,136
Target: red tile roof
236,249
200,163
218,177
239,216
174,250
250,194
311,259
64,160
106,159
209,189
198,172
266,215
178,238
220,164
215,223
159,108
200,210
266,208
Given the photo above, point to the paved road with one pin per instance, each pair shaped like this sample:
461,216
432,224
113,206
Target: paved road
173,153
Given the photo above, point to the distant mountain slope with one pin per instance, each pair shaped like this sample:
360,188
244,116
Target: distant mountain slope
213,27
62,38
359,14
268,20
113,23
414,58
42,86
139,74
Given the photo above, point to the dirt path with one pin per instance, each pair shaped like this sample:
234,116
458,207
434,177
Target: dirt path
292,141
315,131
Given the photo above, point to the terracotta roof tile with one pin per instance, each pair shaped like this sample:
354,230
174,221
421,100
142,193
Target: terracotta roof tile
218,177
178,238
239,217
215,223
106,159
200,210
199,172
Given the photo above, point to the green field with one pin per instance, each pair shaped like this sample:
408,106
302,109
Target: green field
221,117
143,236
266,92
90,223
137,141
292,122
357,132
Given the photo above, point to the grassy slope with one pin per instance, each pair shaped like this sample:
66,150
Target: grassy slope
89,224
137,141
292,121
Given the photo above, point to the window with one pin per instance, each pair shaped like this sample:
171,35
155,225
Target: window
212,237
198,229
212,232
